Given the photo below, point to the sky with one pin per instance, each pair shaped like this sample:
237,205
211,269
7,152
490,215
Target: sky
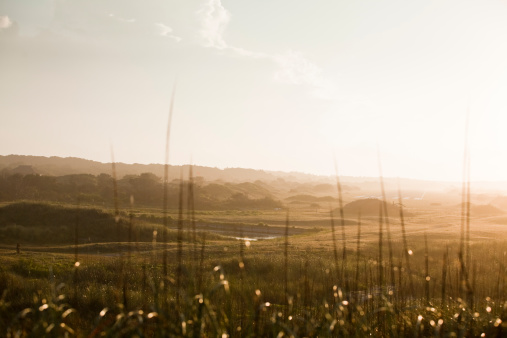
274,85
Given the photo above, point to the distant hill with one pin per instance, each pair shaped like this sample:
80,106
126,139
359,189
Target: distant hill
483,209
59,166
317,185
500,202
310,198
369,207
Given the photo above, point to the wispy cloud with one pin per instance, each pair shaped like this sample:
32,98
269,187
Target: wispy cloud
294,68
161,28
8,28
122,19
214,21
5,22
166,31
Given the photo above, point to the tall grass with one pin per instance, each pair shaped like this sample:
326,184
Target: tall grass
445,264
343,272
76,258
381,246
358,255
385,220
286,261
179,253
335,248
406,251
227,299
165,200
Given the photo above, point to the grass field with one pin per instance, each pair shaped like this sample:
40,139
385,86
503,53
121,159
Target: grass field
308,281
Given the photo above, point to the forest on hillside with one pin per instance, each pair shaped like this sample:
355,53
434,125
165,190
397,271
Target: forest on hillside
146,189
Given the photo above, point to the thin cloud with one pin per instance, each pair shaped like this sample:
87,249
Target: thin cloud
5,22
214,21
8,28
293,69
166,31
122,19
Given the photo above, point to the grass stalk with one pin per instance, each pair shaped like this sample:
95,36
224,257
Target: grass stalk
464,279
179,253
131,226
242,319
499,280
387,225
474,284
286,262
406,252
76,256
191,211
115,201
192,226
427,277
335,249
165,200
200,277
445,264
380,247
401,292
465,200
467,234
118,228
76,234
344,271
358,253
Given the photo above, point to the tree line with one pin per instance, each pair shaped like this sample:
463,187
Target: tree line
147,190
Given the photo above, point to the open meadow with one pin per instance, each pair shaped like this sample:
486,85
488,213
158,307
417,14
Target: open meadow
296,271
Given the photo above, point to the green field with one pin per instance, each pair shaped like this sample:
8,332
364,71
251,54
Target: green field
207,282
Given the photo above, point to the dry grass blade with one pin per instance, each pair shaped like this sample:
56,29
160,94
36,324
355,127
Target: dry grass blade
427,277
465,281
406,252
179,253
342,226
286,261
201,264
115,197
335,249
445,264
467,216
474,284
192,227
191,211
386,221
464,190
499,280
117,221
241,277
464,249
131,226
166,183
380,246
76,234
358,253
76,252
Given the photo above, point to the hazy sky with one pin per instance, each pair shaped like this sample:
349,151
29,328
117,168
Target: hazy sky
273,84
